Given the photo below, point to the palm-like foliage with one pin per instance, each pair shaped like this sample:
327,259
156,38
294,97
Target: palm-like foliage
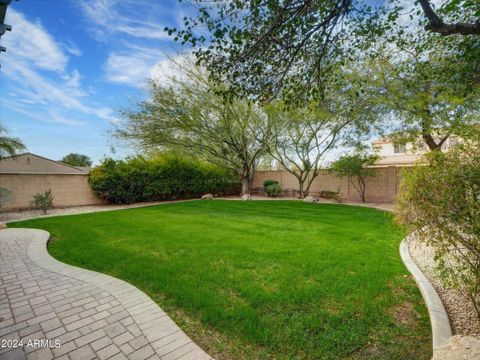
9,145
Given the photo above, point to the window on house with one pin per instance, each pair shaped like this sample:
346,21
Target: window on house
28,160
399,149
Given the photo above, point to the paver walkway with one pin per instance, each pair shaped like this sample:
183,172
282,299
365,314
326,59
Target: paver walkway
59,311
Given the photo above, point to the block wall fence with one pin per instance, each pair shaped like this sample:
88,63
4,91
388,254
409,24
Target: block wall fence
380,188
67,189
74,190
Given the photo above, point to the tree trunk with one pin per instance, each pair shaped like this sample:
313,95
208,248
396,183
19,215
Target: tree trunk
245,186
301,190
430,141
362,187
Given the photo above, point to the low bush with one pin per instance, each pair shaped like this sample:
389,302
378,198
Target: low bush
328,194
269,182
440,201
42,201
273,190
272,187
165,177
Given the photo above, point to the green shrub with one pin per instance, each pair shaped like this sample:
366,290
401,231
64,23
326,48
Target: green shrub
273,190
269,182
42,201
165,177
440,201
328,194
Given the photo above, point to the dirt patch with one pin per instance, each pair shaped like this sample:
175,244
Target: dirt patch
405,314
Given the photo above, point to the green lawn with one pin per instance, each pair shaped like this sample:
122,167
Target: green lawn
261,279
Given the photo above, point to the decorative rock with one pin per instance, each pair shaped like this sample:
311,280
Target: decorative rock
207,197
458,347
3,226
245,197
310,199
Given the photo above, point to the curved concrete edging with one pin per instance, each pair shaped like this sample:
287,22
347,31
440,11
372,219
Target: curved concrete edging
441,329
166,338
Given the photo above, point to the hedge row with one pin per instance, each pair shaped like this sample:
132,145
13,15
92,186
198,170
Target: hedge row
166,177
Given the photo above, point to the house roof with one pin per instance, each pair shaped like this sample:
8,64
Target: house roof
46,166
381,141
398,160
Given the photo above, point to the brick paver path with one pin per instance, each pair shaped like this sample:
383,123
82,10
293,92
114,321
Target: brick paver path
92,316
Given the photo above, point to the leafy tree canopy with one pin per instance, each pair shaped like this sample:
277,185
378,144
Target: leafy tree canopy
357,168
264,48
426,96
190,115
75,159
9,145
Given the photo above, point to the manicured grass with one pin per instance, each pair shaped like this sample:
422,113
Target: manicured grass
261,279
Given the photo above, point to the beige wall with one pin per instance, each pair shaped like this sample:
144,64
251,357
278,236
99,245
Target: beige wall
67,189
381,188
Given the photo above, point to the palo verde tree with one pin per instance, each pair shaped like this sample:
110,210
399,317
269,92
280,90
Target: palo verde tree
191,115
266,47
356,168
301,136
75,159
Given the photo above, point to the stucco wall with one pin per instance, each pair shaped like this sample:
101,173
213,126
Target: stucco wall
67,189
381,188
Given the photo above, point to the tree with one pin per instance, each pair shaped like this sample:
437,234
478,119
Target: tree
454,7
9,145
431,102
190,114
263,47
75,159
356,168
439,201
302,136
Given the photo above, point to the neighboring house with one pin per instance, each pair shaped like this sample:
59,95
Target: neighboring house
392,154
27,174
29,163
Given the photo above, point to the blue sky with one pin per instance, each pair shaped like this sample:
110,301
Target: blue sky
71,65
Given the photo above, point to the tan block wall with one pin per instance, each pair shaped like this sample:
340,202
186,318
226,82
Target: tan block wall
381,188
68,190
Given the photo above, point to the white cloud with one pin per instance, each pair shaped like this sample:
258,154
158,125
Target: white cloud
127,17
72,48
139,64
132,70
30,41
168,70
38,68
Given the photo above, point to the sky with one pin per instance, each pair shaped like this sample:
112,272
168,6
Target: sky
72,65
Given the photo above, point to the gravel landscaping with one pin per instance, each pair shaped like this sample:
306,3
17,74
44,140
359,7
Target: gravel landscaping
461,312
33,214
